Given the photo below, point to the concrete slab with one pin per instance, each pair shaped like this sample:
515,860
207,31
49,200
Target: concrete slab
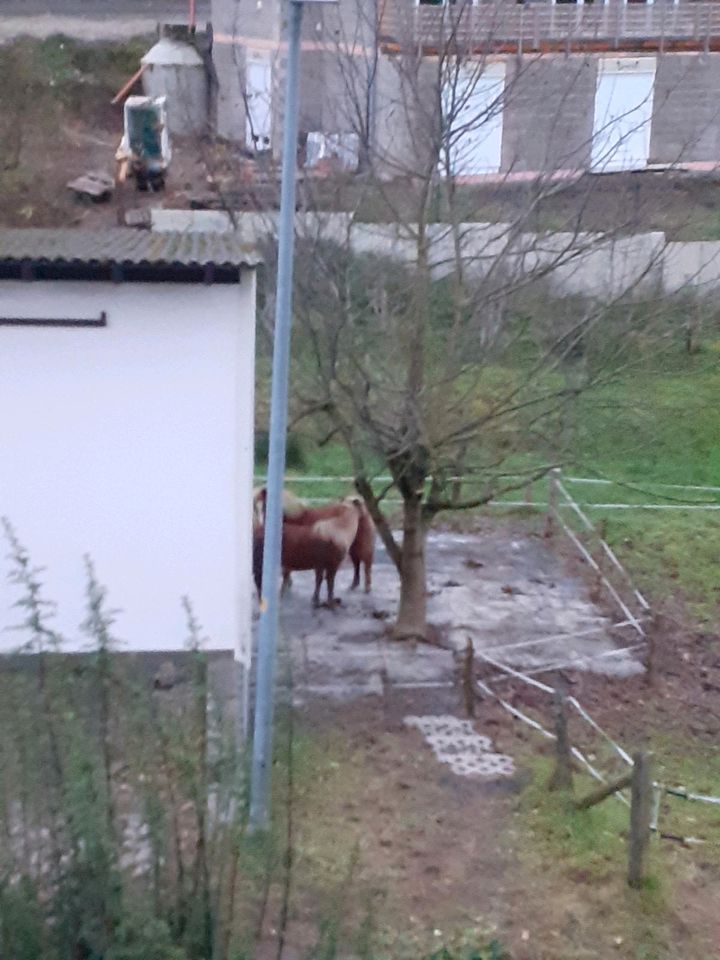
419,664
491,588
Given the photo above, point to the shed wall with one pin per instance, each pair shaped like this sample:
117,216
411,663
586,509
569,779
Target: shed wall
132,444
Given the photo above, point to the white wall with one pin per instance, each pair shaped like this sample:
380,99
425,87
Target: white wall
134,444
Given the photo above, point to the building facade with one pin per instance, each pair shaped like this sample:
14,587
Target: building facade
536,87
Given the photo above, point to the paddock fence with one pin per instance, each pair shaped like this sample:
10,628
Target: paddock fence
554,496
601,756
488,675
323,488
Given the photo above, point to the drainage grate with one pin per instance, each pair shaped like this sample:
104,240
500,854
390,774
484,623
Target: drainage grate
456,743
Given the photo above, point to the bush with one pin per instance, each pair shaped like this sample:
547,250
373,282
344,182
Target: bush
20,922
294,453
144,939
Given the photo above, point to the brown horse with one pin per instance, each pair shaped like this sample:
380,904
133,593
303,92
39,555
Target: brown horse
296,513
320,546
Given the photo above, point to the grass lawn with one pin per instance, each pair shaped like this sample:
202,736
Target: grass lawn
652,427
393,859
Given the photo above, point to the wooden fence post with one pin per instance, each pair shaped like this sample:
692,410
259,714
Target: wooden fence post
561,777
552,501
596,592
385,681
603,792
641,799
651,654
467,678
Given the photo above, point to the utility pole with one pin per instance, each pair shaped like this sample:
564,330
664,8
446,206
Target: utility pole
269,603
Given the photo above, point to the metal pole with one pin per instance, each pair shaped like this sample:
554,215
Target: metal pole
268,625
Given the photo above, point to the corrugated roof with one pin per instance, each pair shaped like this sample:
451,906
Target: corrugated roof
121,245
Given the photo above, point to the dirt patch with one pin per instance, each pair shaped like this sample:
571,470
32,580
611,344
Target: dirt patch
429,859
429,845
389,839
681,695
57,122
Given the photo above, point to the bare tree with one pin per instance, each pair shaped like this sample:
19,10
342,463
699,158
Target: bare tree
447,352
447,345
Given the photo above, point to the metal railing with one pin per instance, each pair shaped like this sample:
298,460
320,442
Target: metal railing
495,25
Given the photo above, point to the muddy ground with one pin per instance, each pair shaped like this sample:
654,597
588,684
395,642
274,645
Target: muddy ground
442,860
456,861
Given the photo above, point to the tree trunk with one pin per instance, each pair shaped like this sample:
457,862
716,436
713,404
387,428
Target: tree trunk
412,616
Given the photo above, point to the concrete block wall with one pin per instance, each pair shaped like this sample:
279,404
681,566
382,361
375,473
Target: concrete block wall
577,263
692,266
229,63
549,99
407,115
312,91
624,266
335,63
686,109
549,108
548,115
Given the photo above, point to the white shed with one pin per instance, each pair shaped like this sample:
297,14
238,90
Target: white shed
126,429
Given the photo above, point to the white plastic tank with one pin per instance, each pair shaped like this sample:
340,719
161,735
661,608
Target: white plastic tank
175,70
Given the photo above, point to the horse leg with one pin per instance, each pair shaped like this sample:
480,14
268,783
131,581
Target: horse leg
330,576
257,571
368,576
318,584
356,577
285,582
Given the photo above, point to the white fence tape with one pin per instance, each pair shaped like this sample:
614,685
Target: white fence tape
607,550
596,774
515,673
578,754
582,759
649,483
687,795
610,588
598,729
574,664
592,481
527,504
650,506
553,637
514,711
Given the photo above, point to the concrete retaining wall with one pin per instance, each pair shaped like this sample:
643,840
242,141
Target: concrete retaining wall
692,266
573,263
